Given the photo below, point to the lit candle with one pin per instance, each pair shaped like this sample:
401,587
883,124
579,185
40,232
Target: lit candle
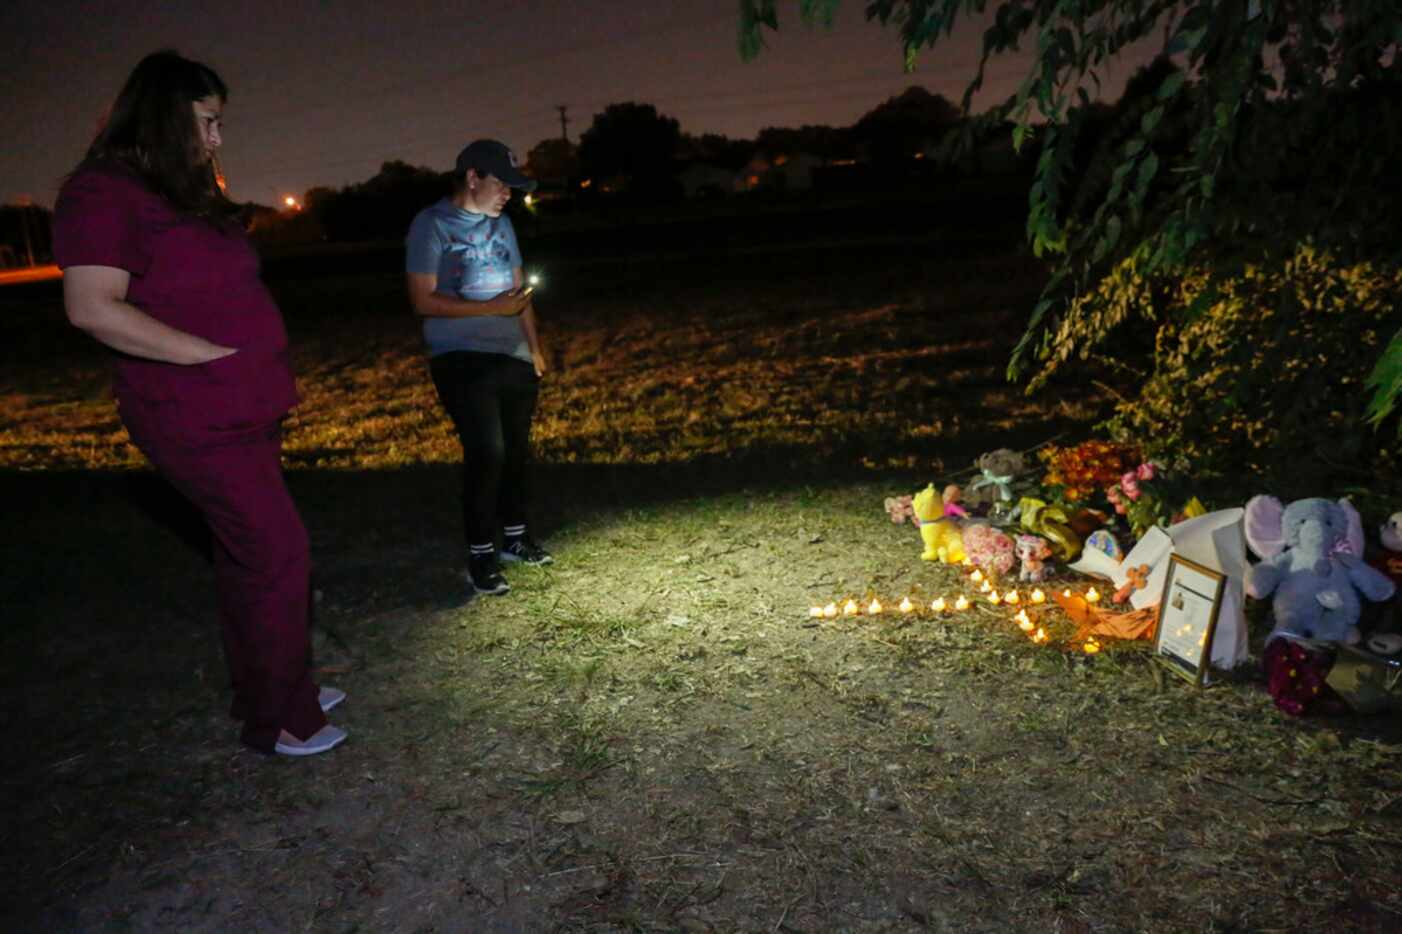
1039,636
962,603
874,608
967,562
1091,647
1066,592
850,608
906,605
830,610
1038,596
1092,595
938,606
1023,622
1011,597
994,599
815,611
985,587
976,576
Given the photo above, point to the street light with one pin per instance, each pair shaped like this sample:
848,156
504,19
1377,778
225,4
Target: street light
292,203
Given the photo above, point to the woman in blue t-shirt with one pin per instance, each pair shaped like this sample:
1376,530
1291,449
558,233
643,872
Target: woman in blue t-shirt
465,281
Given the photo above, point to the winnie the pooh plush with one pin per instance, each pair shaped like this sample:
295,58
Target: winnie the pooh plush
943,539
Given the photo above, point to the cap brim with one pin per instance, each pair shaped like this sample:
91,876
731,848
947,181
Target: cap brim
517,180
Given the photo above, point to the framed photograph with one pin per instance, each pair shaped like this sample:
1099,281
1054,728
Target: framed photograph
1192,599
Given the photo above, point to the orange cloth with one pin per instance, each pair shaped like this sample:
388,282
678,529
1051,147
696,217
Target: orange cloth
1092,620
1136,624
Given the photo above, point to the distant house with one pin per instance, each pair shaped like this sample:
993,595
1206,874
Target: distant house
997,156
778,172
993,155
703,179
552,188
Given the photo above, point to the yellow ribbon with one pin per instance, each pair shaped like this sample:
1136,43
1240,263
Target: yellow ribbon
1050,522
1194,508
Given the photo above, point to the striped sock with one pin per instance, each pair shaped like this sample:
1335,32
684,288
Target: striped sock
478,551
512,532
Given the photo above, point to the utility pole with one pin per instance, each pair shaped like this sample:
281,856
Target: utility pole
23,203
564,122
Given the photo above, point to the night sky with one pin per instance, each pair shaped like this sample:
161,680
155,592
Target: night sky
322,93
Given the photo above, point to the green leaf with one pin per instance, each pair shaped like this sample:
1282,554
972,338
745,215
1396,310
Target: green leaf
1147,170
1386,382
1151,120
1171,85
1185,40
1108,240
755,14
1112,229
817,11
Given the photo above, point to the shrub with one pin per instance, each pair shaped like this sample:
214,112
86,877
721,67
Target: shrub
1257,378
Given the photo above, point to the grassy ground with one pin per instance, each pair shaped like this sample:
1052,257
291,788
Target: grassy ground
652,734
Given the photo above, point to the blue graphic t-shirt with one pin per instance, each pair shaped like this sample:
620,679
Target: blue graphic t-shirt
474,257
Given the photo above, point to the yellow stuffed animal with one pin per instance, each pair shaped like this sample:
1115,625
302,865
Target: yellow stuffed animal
943,540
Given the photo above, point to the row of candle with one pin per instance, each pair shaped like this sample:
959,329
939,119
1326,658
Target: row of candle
939,605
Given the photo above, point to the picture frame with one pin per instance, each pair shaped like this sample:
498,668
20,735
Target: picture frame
1188,611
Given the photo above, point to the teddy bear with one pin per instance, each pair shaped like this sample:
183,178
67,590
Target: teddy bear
1033,551
943,539
995,488
1311,563
1390,560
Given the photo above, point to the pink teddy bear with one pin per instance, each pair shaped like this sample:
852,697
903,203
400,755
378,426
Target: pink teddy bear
1033,552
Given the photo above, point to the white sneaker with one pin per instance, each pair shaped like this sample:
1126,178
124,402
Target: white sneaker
323,740
329,697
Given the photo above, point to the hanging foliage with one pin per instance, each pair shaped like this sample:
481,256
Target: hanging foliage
1279,122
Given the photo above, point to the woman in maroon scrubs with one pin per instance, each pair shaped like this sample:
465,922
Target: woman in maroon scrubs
157,268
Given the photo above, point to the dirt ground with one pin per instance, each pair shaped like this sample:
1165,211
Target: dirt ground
652,734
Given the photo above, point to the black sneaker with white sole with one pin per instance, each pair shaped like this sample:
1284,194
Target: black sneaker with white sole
485,575
526,551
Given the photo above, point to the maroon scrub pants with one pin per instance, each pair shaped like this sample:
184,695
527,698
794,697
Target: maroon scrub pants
262,562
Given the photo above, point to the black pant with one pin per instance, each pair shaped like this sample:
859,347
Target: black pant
491,398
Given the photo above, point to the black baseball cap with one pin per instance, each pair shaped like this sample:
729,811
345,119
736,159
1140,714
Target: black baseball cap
489,157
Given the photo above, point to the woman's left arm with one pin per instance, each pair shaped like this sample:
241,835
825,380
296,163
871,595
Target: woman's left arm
528,326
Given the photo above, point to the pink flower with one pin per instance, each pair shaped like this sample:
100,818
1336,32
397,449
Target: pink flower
900,508
1146,471
1130,484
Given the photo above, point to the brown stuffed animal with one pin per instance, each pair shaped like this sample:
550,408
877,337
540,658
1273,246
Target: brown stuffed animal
998,472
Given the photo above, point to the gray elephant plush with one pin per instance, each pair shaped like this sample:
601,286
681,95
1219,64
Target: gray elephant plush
1312,561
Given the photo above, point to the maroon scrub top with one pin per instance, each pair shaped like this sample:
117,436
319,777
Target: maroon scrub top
193,276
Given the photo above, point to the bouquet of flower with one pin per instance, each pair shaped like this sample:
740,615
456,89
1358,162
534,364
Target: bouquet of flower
1077,473
1138,499
900,508
989,549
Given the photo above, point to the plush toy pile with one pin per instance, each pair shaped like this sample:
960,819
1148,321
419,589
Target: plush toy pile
1099,508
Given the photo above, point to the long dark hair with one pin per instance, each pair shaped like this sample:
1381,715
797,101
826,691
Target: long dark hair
151,131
